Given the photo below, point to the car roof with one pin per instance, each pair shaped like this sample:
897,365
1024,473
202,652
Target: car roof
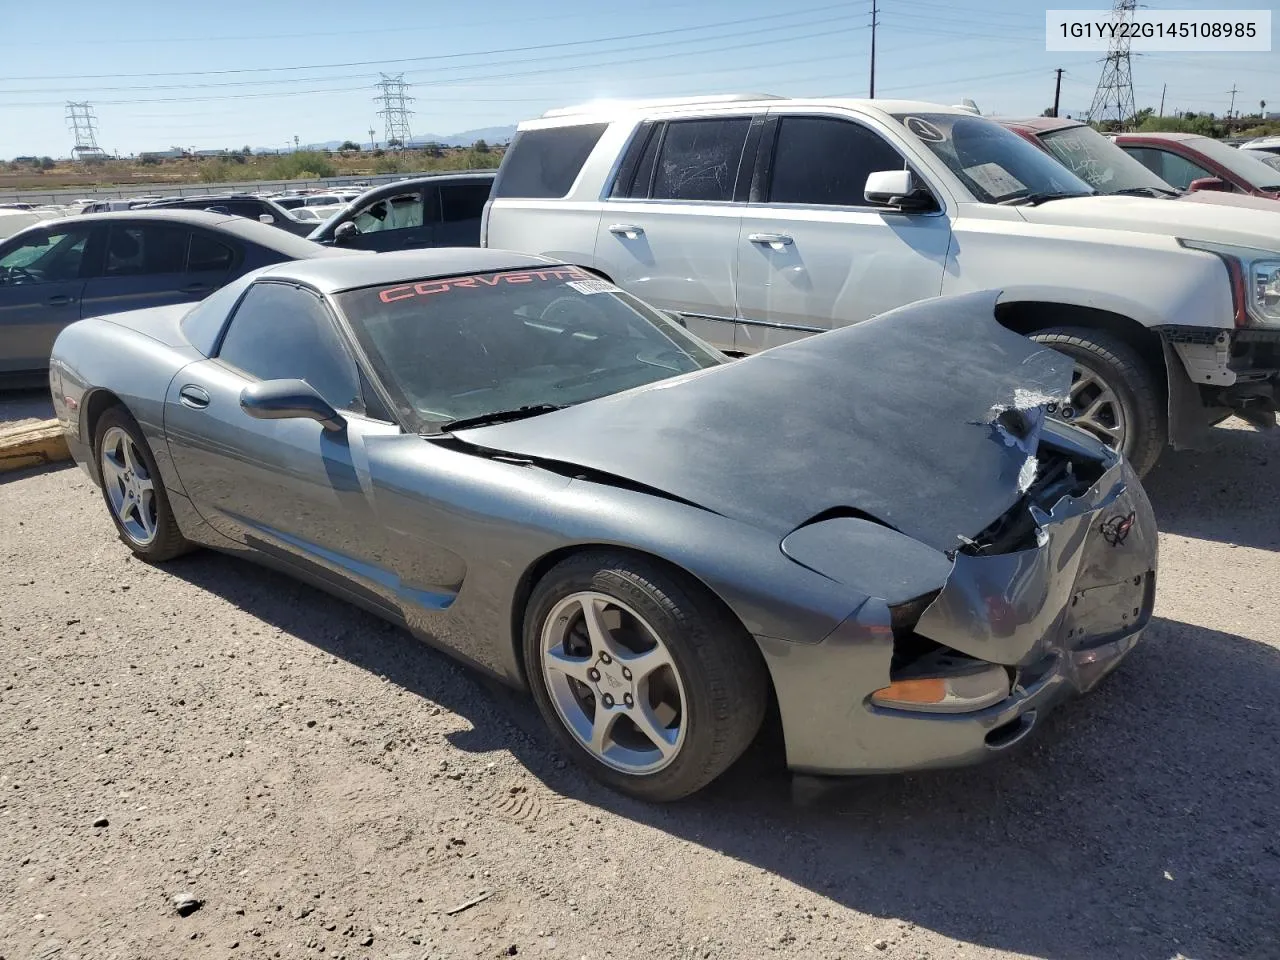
377,269
251,231
1161,136
614,110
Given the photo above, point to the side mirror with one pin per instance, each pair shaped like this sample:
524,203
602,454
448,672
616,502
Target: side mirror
1208,183
345,232
266,218
897,188
289,400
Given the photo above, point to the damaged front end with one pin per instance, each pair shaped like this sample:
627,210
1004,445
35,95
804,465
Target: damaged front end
1039,606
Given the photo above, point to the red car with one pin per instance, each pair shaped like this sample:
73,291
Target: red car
1110,169
1193,163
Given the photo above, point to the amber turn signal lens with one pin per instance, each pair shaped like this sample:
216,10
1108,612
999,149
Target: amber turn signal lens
928,690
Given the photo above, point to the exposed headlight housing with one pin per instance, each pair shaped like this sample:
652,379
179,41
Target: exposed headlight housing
1255,280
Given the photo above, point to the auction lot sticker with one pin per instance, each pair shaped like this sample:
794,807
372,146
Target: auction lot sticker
1159,31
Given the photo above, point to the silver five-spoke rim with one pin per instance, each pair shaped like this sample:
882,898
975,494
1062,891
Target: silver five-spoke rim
129,486
613,683
1095,407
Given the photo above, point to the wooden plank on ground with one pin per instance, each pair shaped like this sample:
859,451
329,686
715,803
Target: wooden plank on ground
32,445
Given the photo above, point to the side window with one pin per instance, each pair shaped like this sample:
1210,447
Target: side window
45,258
144,248
1180,171
636,173
247,208
822,160
400,212
542,164
463,202
282,332
699,159
208,254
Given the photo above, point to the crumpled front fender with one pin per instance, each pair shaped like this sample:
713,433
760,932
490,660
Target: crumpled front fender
1089,577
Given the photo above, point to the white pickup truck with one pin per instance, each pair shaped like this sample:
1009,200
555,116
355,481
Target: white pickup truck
763,219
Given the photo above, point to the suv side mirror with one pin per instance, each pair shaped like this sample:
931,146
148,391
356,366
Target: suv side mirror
266,218
1208,183
899,189
289,400
344,232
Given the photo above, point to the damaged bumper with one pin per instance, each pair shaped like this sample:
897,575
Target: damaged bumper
1058,615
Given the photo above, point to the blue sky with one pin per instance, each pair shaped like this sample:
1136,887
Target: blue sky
260,72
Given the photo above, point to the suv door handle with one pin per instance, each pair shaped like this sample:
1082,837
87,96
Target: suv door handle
194,397
61,299
772,239
628,230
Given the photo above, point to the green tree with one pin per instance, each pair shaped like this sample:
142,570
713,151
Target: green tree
350,145
45,163
480,147
394,144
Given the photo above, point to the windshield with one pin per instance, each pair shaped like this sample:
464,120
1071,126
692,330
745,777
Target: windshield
1270,159
995,164
1249,169
1099,162
463,347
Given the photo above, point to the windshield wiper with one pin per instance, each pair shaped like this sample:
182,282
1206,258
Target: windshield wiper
1035,199
500,416
1144,192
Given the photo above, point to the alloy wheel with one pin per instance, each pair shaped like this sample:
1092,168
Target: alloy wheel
1094,406
613,683
130,488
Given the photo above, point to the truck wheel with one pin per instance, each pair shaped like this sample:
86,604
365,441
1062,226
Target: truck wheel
1114,394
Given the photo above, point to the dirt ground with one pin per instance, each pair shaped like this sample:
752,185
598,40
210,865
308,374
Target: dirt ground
328,787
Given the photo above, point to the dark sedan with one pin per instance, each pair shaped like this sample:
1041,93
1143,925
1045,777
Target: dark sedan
239,205
60,271
442,210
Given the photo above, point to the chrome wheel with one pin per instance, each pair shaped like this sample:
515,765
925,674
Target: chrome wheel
1095,406
129,486
613,683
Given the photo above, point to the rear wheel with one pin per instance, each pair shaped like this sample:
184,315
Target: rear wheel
133,490
1114,394
645,678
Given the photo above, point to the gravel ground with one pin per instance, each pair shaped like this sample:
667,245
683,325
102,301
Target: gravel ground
326,786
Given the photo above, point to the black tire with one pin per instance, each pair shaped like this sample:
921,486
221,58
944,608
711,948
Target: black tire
168,541
1135,385
720,667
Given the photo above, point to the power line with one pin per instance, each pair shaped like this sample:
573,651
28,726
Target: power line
791,14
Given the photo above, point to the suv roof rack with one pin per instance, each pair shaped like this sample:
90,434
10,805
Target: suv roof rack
597,105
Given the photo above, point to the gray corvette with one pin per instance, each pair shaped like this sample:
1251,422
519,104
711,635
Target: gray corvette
877,528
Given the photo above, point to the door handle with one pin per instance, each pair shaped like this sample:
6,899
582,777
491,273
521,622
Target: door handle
628,230
194,397
771,239
61,300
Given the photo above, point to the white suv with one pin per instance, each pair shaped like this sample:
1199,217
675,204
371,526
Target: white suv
762,219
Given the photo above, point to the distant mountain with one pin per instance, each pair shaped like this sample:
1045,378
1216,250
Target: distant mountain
491,135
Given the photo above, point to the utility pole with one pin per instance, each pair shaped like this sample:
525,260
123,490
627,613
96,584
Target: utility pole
875,22
295,142
1057,92
373,144
1163,91
1231,111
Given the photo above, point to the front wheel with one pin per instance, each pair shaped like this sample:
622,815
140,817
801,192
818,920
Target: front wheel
1114,395
645,678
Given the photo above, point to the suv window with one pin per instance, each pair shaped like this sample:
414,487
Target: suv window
1170,167
282,332
144,248
542,164
463,202
822,160
698,159
247,208
400,212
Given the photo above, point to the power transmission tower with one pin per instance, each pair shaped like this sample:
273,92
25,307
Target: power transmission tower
395,110
1113,100
84,127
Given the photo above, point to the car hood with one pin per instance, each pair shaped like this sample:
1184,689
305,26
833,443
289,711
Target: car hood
925,419
1219,223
